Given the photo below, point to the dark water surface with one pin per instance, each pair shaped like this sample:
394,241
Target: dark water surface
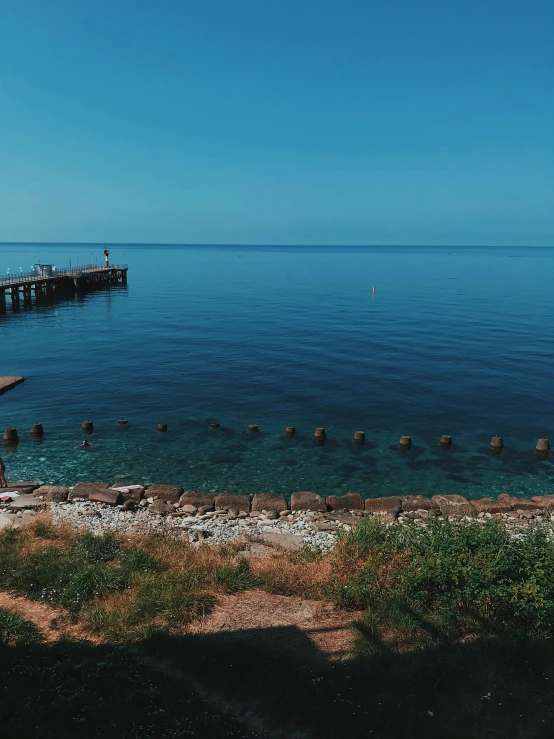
454,340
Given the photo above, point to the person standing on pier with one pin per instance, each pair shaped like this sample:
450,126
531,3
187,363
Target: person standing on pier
3,483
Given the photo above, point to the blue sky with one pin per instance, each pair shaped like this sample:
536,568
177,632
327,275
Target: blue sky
297,121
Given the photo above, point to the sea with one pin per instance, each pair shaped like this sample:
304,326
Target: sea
418,341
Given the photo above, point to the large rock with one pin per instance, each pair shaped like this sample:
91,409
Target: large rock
519,504
269,502
417,503
351,501
453,505
111,497
228,500
198,500
169,493
544,501
307,501
160,508
52,493
84,489
488,505
388,507
21,487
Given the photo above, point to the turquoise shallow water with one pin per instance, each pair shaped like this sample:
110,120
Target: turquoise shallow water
456,341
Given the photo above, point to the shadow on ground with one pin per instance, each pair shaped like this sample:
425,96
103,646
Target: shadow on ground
276,683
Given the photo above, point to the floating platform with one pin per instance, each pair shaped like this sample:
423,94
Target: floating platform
6,383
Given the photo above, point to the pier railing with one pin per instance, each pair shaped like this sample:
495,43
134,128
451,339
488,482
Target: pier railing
19,278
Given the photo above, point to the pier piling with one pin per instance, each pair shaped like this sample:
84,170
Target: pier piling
11,436
497,444
359,438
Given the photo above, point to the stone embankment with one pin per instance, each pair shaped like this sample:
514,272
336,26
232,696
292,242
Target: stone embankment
308,519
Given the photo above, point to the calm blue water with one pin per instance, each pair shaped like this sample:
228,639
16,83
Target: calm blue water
456,341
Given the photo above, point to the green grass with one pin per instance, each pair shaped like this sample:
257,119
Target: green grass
460,576
70,578
80,572
454,641
17,631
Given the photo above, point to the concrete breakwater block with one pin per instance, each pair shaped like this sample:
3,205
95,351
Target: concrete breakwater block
520,504
237,502
269,502
453,505
129,491
169,493
544,501
23,488
417,503
84,489
389,507
488,505
307,501
52,493
197,500
111,497
350,501
26,502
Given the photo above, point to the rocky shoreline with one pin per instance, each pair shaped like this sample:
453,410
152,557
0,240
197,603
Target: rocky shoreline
306,519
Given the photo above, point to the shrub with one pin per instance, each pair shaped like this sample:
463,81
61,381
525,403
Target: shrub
463,575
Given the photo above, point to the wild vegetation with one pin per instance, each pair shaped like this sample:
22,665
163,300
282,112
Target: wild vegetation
452,622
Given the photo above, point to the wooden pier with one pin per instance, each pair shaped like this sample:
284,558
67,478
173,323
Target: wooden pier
23,287
6,383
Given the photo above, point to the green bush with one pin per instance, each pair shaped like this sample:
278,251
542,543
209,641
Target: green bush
463,575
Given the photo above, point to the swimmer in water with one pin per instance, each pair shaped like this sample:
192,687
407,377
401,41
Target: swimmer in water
83,443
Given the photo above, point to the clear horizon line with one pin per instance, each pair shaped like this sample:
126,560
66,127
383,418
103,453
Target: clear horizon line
238,244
